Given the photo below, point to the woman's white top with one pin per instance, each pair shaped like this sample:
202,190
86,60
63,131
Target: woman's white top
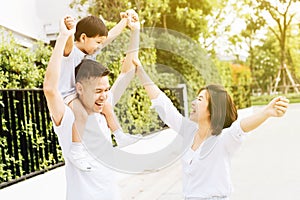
206,171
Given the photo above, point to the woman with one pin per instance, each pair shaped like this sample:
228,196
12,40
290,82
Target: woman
212,134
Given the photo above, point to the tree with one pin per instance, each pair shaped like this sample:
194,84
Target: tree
282,14
254,36
225,22
108,9
265,64
293,53
184,16
188,16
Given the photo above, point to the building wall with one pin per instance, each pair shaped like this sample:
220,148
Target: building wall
32,20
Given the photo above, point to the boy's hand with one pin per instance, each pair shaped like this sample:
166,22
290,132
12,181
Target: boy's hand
69,22
133,19
130,13
107,109
123,15
64,31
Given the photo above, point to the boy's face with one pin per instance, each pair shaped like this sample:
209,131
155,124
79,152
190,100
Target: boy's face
91,44
93,93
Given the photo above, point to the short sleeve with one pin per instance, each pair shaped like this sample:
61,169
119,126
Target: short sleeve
66,84
64,130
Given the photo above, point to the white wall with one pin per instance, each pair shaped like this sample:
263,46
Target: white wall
30,19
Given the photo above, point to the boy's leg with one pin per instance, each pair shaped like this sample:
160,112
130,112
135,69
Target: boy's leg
122,139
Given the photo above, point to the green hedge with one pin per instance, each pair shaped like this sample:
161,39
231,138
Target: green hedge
22,67
265,99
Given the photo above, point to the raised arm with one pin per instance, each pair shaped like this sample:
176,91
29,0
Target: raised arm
133,48
70,23
276,108
162,104
114,32
117,30
128,68
152,90
54,99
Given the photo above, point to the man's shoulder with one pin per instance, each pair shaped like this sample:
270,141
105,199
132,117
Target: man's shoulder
68,118
69,114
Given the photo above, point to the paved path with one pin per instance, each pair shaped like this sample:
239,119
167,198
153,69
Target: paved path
268,164
266,167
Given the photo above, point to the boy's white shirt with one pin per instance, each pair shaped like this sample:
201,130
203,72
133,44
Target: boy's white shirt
66,84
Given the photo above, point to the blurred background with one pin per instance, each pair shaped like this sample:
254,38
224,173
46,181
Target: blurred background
252,47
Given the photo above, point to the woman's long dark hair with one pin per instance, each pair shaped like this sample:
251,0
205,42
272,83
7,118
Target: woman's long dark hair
221,108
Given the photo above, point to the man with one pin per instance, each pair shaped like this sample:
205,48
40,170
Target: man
92,86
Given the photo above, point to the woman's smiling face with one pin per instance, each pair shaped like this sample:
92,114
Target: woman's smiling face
200,107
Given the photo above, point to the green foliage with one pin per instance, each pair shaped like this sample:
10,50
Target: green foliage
236,79
186,16
38,142
21,67
293,53
152,12
265,99
266,65
225,72
191,64
241,89
16,63
42,53
108,9
25,144
284,19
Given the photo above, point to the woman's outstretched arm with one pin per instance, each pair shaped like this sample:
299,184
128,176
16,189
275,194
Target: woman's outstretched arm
276,108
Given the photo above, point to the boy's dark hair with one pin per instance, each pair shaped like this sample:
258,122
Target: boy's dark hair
221,108
88,68
92,26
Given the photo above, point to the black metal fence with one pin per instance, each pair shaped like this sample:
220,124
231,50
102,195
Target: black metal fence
28,144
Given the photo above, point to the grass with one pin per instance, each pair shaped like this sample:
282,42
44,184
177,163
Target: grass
265,99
